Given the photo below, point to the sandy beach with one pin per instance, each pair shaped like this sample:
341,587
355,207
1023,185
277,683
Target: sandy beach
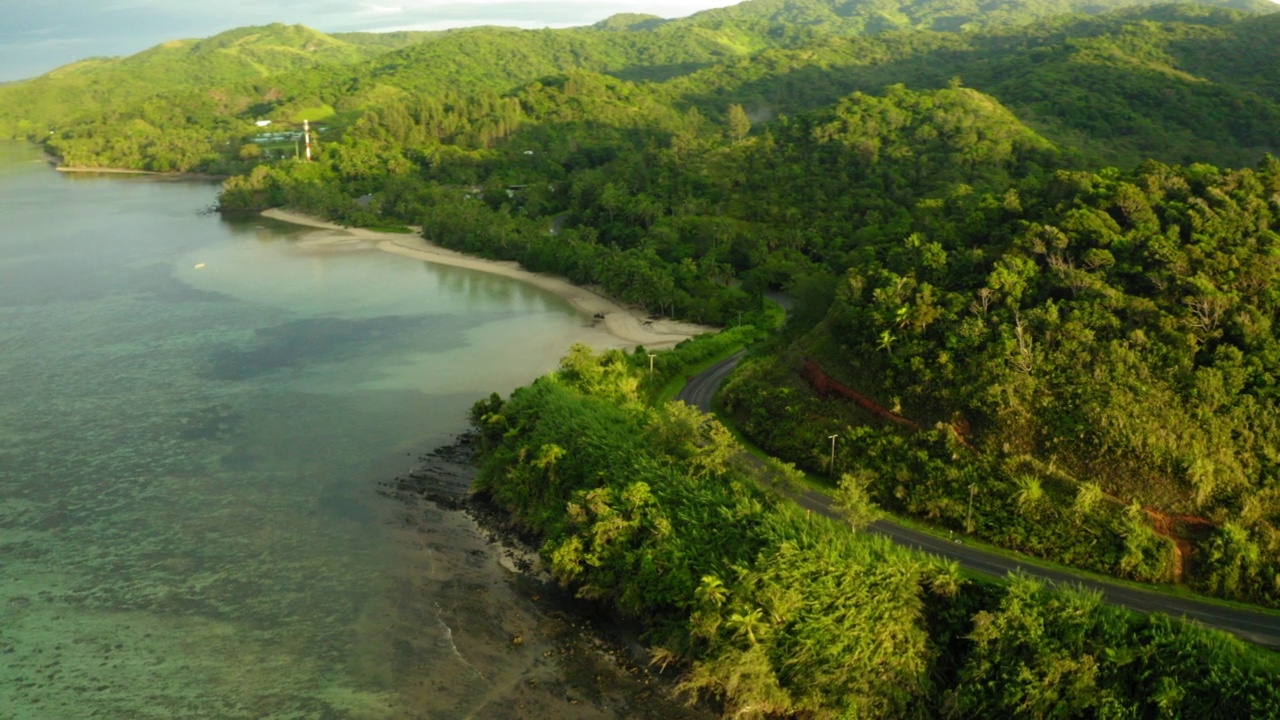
126,171
622,327
109,171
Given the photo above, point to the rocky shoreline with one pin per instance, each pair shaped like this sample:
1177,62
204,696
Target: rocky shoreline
592,665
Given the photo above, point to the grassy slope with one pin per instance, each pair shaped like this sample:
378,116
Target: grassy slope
237,56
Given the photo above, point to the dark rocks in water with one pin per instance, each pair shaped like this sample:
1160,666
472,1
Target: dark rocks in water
596,657
298,342
443,475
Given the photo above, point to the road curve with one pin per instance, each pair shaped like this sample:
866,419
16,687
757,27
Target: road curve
1256,627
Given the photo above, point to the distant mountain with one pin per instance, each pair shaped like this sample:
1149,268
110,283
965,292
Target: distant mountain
1178,83
629,21
854,17
85,88
379,42
1141,80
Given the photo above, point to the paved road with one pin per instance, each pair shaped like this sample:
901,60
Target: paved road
1256,627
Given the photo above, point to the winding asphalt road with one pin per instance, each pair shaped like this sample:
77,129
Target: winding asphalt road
1260,628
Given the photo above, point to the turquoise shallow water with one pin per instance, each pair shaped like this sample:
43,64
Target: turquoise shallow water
189,458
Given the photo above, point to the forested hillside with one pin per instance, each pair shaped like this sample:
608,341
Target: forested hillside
1091,359
1176,83
772,612
1147,82
800,18
1015,228
176,69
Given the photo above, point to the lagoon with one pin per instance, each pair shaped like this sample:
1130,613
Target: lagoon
195,417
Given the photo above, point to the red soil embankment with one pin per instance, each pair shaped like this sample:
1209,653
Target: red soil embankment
826,386
1178,528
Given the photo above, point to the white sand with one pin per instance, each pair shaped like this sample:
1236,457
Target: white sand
627,326
113,171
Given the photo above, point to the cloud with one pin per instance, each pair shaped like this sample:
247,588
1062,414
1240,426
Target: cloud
372,9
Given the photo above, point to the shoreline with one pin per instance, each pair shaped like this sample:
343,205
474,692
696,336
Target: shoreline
561,656
111,171
149,173
630,326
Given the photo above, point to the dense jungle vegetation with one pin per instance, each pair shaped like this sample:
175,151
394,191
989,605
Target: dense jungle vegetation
773,612
1033,253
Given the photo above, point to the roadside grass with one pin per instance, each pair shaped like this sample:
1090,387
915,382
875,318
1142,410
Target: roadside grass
770,318
668,391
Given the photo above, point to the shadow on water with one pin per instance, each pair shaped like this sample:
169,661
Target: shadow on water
258,227
480,288
307,340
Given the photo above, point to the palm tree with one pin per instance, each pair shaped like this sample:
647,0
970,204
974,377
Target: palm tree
712,590
1087,498
1029,495
750,623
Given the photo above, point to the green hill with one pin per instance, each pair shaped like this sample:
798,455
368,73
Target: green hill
855,17
88,88
629,21
635,47
1177,83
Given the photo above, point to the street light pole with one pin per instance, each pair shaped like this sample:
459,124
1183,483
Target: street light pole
832,467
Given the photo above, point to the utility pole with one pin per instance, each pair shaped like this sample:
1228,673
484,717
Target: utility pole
968,521
832,467
651,357
306,132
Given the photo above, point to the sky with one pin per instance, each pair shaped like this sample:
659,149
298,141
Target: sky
39,35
